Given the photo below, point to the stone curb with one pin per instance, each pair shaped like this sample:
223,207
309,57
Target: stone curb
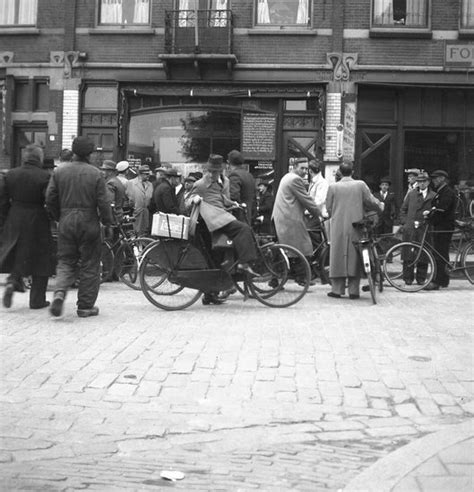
387,472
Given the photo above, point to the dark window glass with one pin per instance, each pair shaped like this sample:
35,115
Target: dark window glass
41,96
22,95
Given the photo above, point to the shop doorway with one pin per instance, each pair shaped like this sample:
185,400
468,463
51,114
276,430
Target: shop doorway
297,144
376,151
26,135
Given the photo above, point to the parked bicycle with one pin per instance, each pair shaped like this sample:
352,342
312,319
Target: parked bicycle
175,272
410,266
120,257
369,256
319,261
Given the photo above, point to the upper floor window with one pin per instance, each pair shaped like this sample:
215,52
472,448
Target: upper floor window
467,14
282,12
124,12
18,12
399,13
218,14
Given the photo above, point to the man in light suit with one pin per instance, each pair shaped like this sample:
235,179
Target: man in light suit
291,201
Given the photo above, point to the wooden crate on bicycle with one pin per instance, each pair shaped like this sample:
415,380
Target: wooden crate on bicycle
170,225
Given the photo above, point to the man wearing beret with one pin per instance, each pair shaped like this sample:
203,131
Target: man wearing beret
77,198
442,218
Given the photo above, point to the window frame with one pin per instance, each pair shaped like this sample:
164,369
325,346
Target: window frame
16,24
402,30
122,25
306,25
465,31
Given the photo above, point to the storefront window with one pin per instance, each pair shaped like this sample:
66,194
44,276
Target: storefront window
124,12
282,12
18,12
183,136
399,13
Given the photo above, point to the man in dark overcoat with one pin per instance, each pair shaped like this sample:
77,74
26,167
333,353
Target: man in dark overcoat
347,202
265,202
386,218
415,203
443,220
164,195
242,184
77,198
26,243
115,189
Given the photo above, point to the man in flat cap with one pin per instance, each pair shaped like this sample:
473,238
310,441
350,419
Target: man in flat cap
140,194
164,196
386,218
416,202
242,183
442,218
115,189
77,198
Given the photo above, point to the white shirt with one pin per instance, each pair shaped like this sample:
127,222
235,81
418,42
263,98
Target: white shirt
318,190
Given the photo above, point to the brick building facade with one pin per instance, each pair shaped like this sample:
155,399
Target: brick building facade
388,83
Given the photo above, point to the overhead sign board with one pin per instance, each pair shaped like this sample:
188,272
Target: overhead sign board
460,55
348,142
259,136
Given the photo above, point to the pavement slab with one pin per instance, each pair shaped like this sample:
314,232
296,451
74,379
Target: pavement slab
237,396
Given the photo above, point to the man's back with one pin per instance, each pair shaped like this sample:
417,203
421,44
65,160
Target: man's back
242,188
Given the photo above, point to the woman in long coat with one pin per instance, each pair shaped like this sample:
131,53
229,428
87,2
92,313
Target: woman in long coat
27,245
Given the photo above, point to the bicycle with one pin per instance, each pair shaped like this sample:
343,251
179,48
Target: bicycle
369,256
319,261
121,257
175,272
410,266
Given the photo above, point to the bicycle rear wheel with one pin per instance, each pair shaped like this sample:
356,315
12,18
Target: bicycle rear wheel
127,260
106,262
467,262
284,278
366,262
409,267
378,273
157,280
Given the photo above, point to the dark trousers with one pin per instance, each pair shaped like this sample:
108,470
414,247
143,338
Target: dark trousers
242,236
409,271
441,242
79,247
38,288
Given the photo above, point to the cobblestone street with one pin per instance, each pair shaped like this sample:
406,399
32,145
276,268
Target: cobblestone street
237,397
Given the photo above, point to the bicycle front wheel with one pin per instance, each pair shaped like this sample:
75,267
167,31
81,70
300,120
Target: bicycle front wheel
378,273
370,271
409,267
284,277
157,280
127,260
467,262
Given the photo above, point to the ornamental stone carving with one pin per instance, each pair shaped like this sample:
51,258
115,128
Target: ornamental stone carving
6,58
342,64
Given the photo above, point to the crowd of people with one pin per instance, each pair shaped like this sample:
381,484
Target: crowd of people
76,197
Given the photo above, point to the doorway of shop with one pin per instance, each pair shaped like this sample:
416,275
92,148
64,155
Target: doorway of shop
26,135
297,144
376,156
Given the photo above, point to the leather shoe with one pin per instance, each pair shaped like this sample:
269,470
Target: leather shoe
85,313
245,267
354,296
8,295
365,288
211,299
432,286
56,308
40,306
332,294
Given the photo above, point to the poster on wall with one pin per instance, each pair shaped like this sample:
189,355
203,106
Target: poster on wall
349,132
259,136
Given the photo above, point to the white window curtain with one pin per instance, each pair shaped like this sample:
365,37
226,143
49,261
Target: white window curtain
141,12
302,14
219,18
184,19
416,13
467,13
383,12
7,12
263,12
26,12
111,12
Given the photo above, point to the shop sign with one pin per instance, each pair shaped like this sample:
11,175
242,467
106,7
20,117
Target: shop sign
348,142
460,55
258,136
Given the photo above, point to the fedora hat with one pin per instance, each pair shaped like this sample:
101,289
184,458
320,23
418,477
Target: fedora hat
413,170
171,172
439,172
423,177
191,178
386,179
108,166
215,162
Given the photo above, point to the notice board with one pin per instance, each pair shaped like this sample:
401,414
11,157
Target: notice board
259,136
